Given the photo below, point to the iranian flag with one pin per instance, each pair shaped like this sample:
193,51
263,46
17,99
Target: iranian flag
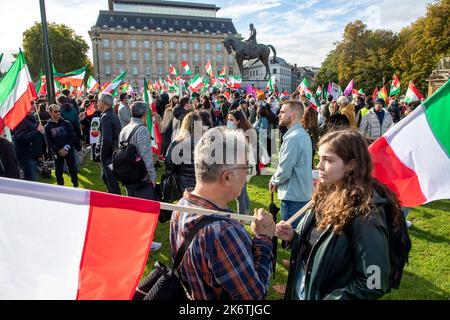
152,125
173,70
413,93
304,89
92,84
319,91
413,157
196,83
209,69
62,243
395,88
234,82
186,68
270,86
16,94
74,78
223,72
375,94
115,83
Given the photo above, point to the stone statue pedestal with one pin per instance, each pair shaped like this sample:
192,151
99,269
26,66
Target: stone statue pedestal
437,79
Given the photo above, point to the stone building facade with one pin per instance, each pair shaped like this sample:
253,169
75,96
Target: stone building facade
145,37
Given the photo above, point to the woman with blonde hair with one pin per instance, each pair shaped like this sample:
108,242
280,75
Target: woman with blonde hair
343,237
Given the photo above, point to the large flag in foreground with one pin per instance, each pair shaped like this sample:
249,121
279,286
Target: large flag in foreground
16,94
413,158
63,243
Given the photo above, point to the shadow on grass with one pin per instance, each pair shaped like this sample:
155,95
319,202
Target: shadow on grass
428,236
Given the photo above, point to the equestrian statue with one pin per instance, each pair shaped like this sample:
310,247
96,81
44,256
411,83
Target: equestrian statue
249,50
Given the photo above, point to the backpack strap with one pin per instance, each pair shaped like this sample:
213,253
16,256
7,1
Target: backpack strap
187,241
131,134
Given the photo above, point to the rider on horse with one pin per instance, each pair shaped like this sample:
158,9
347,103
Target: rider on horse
251,41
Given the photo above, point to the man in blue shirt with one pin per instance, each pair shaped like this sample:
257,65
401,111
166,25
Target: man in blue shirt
293,178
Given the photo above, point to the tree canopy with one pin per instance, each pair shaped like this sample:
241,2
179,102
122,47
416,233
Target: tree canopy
68,50
373,56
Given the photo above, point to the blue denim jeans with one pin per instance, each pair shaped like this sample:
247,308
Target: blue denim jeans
29,168
289,208
243,201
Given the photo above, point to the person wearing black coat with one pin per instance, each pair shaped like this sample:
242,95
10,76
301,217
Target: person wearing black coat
162,103
9,167
61,139
28,144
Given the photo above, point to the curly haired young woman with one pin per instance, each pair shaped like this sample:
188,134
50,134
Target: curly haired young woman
343,238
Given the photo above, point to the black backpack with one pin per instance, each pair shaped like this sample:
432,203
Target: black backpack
128,167
399,246
163,283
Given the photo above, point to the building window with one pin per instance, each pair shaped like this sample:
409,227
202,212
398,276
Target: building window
219,59
171,44
230,71
134,70
184,56
120,55
197,69
160,71
159,56
184,45
172,57
148,71
146,44
196,45
219,47
159,44
133,43
207,58
107,55
147,56
121,68
196,57
275,71
119,43
207,46
107,70
133,56
105,43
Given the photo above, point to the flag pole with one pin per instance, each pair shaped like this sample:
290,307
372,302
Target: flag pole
47,57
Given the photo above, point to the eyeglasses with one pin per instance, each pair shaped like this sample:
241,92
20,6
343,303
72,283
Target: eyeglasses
248,168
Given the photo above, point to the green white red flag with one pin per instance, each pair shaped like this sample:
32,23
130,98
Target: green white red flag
114,85
270,86
209,69
186,68
234,82
92,84
16,94
413,157
304,89
395,88
74,78
173,71
413,94
79,244
196,83
152,126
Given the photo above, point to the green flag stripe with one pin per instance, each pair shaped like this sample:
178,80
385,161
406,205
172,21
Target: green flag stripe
9,80
438,115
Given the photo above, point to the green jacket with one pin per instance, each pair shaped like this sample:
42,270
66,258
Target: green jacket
339,266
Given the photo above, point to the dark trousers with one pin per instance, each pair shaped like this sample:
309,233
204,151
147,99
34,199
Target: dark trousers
71,165
143,190
109,179
29,167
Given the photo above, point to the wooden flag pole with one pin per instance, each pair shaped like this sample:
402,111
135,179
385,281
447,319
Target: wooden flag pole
299,213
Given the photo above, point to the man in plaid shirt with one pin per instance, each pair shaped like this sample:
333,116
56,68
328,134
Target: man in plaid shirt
223,262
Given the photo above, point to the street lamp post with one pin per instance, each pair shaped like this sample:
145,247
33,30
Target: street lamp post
96,39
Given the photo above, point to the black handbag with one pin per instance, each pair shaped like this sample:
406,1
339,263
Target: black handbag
163,283
169,188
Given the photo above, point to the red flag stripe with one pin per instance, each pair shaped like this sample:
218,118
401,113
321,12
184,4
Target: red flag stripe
21,108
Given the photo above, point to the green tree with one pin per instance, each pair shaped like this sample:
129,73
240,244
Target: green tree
422,45
68,50
328,71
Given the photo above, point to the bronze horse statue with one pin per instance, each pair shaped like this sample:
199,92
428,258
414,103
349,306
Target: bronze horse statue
247,51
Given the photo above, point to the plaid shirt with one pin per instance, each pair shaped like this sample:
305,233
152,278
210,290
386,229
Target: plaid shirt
222,262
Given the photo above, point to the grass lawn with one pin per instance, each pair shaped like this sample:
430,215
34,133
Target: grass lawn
426,277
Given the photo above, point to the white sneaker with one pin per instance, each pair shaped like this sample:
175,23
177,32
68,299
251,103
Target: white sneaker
408,224
155,246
